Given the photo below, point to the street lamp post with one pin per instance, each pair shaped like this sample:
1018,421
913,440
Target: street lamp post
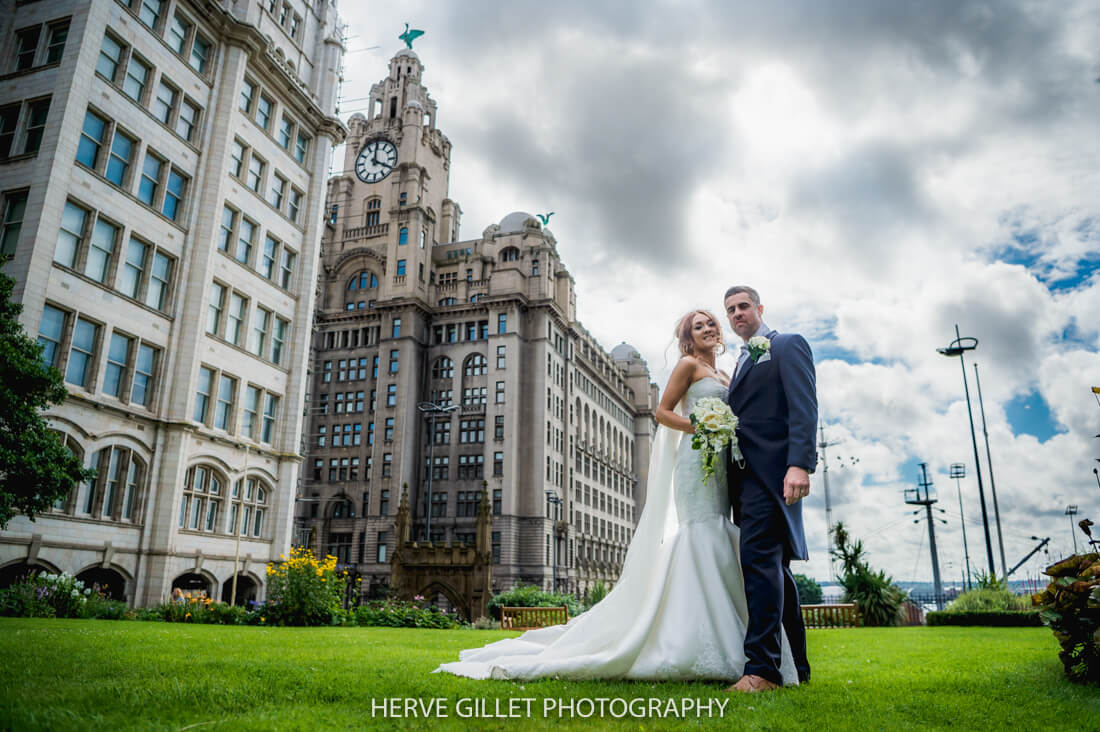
958,472
958,347
1071,511
992,483
556,501
431,409
237,530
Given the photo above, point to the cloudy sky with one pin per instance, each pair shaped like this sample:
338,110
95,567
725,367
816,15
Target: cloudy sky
879,171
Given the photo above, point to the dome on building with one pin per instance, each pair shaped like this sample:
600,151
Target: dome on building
625,352
515,221
355,116
406,52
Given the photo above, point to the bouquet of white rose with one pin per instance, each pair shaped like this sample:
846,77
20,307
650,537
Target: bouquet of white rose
715,426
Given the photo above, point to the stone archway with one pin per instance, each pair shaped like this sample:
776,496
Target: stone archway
437,587
248,590
194,582
18,571
110,581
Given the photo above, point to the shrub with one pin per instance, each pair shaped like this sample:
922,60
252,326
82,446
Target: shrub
1070,605
809,591
44,595
303,590
597,592
532,596
401,614
991,599
484,623
991,618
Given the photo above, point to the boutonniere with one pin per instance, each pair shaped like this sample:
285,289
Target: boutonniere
758,346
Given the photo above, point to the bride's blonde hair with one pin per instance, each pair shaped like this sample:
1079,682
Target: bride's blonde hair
683,332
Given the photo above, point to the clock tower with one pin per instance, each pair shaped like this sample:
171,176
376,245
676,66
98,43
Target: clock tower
391,199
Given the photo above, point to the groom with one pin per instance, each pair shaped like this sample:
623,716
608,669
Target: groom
773,395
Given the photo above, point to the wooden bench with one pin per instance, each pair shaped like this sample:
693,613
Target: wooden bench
843,615
528,618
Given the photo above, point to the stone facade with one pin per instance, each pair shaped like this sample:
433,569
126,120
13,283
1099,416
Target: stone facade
162,199
409,313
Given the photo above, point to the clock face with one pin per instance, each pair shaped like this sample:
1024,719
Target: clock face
375,161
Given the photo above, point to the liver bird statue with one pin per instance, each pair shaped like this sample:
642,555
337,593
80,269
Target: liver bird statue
545,218
410,35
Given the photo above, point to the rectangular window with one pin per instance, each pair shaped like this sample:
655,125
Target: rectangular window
70,234
301,146
394,361
228,225
85,335
176,36
9,121
396,328
174,193
248,93
391,395
133,268
101,250
251,412
401,268
263,111
271,406
500,357
387,465
238,306
51,329
37,112
187,120
380,555
498,427
267,260
26,47
200,54
295,204
498,464
92,138
202,394
149,12
261,322
278,341
164,103
150,179
118,358
255,176
137,76
110,56
286,132
500,392
245,238
236,158
214,310
160,279
287,269
277,191
223,409
389,429
144,367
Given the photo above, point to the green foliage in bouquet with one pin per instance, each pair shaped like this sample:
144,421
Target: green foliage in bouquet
532,596
1070,605
879,600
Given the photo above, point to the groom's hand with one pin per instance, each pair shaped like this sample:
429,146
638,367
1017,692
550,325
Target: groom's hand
796,485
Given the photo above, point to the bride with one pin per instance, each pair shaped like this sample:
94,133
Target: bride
678,610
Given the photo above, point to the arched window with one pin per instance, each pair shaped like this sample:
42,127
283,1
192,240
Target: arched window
116,492
251,499
342,508
363,281
475,365
448,301
203,492
443,368
374,211
65,503
509,254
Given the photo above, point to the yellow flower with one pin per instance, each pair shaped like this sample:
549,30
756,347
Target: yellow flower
262,618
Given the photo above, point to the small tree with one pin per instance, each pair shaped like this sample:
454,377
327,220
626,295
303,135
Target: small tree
35,467
809,591
879,600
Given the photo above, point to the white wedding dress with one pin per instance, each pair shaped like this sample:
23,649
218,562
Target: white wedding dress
678,610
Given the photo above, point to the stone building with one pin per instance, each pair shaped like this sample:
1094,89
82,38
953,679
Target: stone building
162,172
528,405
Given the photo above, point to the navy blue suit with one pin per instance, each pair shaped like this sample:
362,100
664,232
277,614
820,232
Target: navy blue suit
775,400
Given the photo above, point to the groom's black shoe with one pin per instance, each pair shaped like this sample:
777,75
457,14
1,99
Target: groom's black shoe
803,675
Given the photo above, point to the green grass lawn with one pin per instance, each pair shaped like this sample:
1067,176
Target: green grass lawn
84,674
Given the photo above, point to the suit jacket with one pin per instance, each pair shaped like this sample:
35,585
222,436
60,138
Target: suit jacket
775,400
